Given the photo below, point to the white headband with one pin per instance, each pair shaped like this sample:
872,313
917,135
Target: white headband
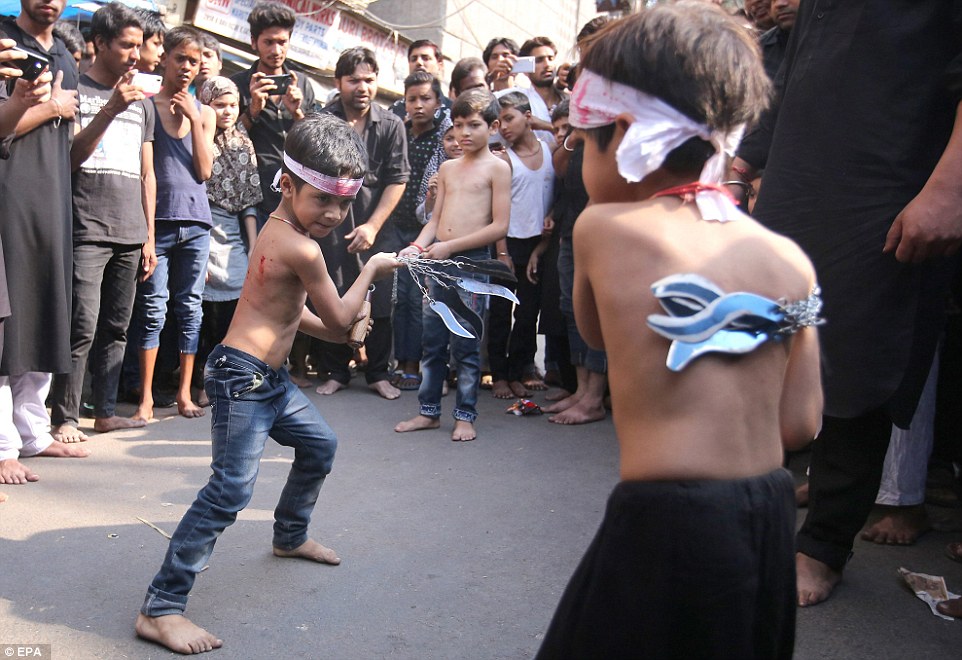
329,184
657,129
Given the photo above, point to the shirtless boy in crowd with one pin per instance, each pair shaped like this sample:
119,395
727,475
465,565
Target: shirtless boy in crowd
471,213
251,392
695,556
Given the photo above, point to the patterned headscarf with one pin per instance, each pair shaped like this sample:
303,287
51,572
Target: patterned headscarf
234,184
438,157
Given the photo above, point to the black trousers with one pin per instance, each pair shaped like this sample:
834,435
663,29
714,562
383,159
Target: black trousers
685,569
844,477
511,348
334,358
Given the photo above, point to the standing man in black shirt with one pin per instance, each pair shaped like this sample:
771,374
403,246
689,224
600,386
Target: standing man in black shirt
361,235
268,116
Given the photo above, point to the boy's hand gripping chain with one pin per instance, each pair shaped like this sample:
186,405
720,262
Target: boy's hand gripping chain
452,306
358,332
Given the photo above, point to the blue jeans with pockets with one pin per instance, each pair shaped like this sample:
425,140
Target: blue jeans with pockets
249,402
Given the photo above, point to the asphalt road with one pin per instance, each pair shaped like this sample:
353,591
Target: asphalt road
450,550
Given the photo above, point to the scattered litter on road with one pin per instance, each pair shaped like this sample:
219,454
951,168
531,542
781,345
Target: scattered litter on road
113,536
930,589
153,526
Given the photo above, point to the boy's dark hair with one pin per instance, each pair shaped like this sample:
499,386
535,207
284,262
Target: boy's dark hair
152,22
111,20
325,144
210,42
270,14
463,69
591,27
694,57
181,36
71,36
352,58
423,78
510,44
425,43
536,42
476,101
561,110
517,100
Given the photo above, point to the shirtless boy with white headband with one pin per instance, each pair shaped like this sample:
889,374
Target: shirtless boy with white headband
251,394
713,361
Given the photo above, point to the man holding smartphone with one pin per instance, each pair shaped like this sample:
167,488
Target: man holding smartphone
37,240
268,111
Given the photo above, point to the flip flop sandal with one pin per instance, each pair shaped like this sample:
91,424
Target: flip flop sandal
408,382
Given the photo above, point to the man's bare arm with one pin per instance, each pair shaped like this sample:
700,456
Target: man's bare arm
148,198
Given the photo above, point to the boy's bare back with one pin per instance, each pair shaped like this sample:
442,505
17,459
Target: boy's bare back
466,194
722,416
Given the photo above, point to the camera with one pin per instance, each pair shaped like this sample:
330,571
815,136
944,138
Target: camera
33,66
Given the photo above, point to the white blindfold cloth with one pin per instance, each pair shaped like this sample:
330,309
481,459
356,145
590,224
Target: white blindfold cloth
329,184
657,129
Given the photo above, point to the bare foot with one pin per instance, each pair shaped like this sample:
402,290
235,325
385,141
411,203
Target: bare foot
899,525
517,390
3,498
385,389
69,433
463,431
145,411
562,404
189,409
816,580
13,471
535,384
58,449
582,412
419,423
501,390
330,386
801,495
951,607
557,394
177,633
312,550
300,381
108,424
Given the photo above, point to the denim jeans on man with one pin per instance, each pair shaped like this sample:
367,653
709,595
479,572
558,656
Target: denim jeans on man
249,402
104,284
581,355
466,353
182,251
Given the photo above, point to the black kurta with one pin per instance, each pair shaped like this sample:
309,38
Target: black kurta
869,97
35,225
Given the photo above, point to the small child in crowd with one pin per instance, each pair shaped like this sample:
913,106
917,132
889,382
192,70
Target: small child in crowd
422,102
251,391
234,191
713,372
471,213
512,347
183,161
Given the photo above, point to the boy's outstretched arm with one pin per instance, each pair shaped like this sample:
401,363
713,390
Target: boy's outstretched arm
312,325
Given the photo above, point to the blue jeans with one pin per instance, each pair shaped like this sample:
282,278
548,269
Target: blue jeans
182,250
249,402
408,316
466,353
581,355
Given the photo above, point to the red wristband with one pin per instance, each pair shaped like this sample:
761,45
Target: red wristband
420,249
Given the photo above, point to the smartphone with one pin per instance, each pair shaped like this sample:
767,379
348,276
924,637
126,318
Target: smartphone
33,66
148,82
283,81
523,65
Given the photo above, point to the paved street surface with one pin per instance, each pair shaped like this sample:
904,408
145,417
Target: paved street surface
450,550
